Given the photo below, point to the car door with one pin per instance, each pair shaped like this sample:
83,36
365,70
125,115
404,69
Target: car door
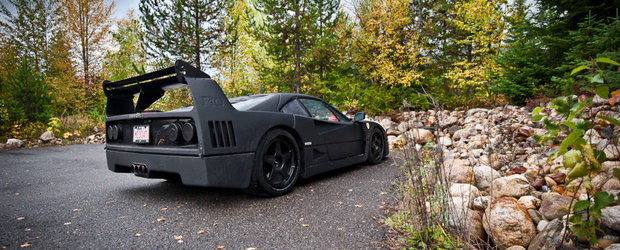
342,137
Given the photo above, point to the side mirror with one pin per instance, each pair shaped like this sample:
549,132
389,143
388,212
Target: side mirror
359,116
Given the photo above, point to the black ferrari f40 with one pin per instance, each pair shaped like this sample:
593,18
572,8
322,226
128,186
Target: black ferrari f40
261,143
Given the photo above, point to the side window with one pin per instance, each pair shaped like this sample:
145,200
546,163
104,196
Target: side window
318,110
293,107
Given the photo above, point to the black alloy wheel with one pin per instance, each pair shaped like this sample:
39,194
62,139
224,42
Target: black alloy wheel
377,147
276,165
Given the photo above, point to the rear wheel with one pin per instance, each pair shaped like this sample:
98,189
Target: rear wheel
377,147
276,164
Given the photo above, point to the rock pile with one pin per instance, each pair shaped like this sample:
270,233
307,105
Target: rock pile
500,177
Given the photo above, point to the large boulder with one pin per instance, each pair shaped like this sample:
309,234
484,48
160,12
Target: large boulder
610,217
458,171
510,186
554,205
484,176
508,223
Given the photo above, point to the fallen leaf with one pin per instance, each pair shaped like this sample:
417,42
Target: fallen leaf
301,199
201,231
28,229
358,205
179,206
350,190
180,241
340,229
123,217
21,218
138,235
301,219
178,237
251,248
161,219
340,203
144,205
76,210
27,244
69,199
177,202
67,223
215,224
109,202
305,225
382,193
220,247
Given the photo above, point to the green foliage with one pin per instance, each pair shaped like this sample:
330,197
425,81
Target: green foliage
129,58
181,29
27,95
579,157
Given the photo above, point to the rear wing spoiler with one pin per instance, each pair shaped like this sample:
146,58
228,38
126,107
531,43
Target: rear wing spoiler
150,87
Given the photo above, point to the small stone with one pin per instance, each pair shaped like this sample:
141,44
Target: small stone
538,183
445,141
511,186
611,184
14,143
458,171
516,248
529,202
481,202
554,205
546,189
484,176
47,136
420,136
465,192
608,167
610,217
558,177
516,170
542,225
535,215
550,182
602,243
612,152
550,237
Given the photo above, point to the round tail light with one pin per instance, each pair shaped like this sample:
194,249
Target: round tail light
189,131
173,132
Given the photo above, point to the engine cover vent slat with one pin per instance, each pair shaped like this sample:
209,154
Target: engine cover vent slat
222,134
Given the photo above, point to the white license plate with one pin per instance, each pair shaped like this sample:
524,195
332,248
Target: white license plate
141,134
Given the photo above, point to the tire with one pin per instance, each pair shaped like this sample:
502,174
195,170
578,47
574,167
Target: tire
276,164
376,147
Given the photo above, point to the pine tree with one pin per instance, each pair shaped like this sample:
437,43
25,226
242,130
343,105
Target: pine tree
182,29
295,35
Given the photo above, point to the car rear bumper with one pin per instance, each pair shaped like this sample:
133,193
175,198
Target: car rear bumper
231,171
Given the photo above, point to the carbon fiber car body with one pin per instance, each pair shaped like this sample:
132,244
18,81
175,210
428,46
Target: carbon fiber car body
226,133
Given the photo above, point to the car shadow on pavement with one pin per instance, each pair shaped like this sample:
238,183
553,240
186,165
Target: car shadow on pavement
160,189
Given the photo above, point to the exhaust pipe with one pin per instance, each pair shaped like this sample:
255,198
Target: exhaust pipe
139,169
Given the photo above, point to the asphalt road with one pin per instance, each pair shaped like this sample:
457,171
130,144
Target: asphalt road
65,197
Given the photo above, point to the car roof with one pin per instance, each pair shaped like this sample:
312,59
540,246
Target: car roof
271,102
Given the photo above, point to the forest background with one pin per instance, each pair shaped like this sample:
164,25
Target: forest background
379,56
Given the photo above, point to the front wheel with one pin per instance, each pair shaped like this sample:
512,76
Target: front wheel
276,164
377,147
